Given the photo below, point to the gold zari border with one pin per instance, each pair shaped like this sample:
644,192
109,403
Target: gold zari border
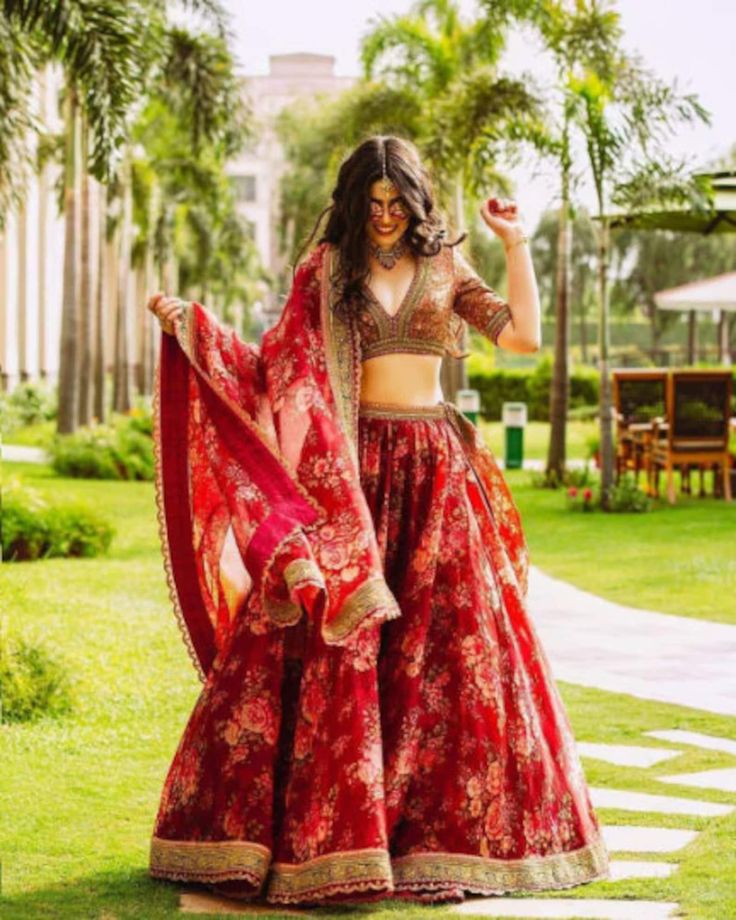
208,860
488,875
375,869
372,595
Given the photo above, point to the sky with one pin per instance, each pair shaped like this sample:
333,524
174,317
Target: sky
691,41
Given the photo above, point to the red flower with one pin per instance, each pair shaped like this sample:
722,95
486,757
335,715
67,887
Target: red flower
588,494
572,491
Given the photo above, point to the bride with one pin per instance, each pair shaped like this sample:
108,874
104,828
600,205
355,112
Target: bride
378,718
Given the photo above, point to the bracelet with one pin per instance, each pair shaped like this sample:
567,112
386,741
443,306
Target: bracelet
522,239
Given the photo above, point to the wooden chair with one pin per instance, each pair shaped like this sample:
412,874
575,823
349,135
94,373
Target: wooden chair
696,434
638,397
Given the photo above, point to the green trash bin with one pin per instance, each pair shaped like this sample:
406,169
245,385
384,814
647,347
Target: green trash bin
513,416
468,402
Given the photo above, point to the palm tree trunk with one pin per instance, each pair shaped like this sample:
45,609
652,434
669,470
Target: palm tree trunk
691,336
86,331
605,404
69,339
724,346
104,257
560,385
22,288
122,388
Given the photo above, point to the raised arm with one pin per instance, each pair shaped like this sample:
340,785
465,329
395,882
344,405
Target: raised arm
513,324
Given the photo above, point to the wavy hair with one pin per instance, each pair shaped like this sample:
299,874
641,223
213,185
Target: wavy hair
350,211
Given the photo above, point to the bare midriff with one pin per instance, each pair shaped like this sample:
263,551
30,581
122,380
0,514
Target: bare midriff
402,378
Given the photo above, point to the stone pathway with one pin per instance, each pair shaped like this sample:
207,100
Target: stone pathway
564,908
21,454
723,780
655,656
697,739
663,804
625,755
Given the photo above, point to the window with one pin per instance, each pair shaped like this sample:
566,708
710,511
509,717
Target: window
245,188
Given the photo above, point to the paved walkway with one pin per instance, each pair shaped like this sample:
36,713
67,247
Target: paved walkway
21,454
655,656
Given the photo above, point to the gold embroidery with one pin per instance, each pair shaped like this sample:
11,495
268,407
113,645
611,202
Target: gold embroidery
286,612
487,875
342,358
373,409
303,570
356,870
208,860
496,323
393,329
372,595
376,869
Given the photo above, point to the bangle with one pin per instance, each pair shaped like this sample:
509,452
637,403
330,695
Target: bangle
522,239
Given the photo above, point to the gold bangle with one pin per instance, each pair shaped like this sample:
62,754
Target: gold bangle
522,239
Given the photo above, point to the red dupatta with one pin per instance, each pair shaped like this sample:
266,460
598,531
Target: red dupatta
257,481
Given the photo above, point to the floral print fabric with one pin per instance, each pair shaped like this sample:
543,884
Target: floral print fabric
428,757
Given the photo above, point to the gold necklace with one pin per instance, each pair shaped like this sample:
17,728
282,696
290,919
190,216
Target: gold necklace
389,257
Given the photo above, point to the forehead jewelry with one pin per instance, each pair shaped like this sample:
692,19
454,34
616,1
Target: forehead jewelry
387,184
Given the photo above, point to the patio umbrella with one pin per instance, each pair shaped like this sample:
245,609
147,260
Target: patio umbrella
717,293
719,218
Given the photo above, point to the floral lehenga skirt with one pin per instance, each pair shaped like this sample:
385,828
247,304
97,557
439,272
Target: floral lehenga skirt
430,758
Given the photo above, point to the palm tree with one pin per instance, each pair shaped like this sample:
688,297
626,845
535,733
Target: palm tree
624,120
579,34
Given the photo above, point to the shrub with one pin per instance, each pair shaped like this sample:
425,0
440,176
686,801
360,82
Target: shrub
626,496
571,476
122,449
532,387
32,683
31,403
32,528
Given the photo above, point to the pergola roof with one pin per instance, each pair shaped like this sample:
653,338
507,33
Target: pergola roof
717,293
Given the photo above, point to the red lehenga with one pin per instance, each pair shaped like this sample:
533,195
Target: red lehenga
378,718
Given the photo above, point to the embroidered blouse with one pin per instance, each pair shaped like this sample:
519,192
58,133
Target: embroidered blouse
444,291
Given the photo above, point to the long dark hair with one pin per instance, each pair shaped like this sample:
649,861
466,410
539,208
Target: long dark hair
350,209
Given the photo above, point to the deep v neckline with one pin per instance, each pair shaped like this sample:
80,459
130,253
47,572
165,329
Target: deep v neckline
392,317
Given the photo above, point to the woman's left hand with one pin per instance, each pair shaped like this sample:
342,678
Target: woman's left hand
502,216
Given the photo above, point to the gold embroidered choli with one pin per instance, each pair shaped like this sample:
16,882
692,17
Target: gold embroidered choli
444,290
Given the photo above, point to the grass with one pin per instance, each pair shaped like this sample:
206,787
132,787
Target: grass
536,438
677,559
78,796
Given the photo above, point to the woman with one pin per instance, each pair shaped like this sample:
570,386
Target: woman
378,718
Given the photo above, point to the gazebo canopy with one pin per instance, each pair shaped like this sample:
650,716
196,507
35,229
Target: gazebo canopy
718,293
720,218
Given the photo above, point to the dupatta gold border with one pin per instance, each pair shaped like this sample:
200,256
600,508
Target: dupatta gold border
361,870
342,355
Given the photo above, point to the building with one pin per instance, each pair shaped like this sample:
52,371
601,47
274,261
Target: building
257,171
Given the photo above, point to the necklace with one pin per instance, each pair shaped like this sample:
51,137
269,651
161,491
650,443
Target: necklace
389,257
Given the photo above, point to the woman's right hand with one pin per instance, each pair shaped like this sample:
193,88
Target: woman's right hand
165,309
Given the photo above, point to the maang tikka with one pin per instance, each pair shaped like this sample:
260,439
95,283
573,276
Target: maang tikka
388,257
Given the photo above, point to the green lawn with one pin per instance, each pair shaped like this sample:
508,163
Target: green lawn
678,558
78,797
536,438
